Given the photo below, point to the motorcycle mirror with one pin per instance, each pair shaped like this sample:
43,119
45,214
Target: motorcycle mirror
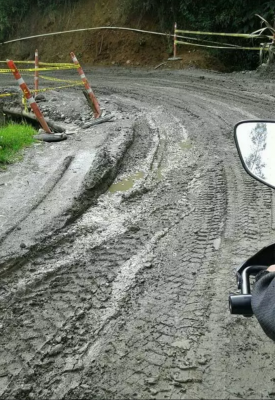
255,141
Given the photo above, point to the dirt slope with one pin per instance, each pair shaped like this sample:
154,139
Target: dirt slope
99,47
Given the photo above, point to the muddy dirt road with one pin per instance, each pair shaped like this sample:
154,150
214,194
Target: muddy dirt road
128,298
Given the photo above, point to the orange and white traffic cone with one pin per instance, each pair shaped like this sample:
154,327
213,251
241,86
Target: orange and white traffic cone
29,96
96,108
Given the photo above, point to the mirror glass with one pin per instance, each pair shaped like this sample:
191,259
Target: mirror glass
256,144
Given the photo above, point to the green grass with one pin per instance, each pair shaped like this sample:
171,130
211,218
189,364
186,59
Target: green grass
13,138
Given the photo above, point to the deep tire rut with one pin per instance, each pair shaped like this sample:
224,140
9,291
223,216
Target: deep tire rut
132,303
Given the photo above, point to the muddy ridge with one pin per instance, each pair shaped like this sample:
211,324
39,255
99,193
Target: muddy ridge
115,284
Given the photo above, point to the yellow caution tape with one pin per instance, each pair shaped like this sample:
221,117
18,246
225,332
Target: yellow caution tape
243,35
7,94
59,64
18,62
24,102
40,69
206,41
5,71
220,47
51,67
54,88
43,63
52,79
72,66
48,78
42,90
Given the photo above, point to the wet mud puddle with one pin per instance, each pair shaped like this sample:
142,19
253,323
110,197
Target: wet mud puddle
127,183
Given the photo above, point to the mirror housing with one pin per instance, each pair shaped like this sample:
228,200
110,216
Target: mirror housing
255,141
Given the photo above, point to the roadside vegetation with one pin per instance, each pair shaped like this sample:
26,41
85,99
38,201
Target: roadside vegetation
14,138
228,16
215,15
10,14
231,16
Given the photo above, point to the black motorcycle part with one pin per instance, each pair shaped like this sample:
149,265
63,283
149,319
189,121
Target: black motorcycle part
240,304
266,256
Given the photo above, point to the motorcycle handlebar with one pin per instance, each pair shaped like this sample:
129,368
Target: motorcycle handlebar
241,303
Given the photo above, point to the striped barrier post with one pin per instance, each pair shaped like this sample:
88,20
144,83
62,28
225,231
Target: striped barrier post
96,107
175,58
28,96
36,73
175,40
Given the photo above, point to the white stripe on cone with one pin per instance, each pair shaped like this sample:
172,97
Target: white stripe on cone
20,81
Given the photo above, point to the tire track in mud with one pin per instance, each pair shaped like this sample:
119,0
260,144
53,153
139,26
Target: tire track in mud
101,171
253,239
247,230
148,351
54,285
165,382
203,234
228,375
261,99
44,191
133,303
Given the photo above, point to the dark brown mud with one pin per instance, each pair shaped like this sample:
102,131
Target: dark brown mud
128,298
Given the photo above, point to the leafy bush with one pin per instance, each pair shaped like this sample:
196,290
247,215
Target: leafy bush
12,11
219,15
213,15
